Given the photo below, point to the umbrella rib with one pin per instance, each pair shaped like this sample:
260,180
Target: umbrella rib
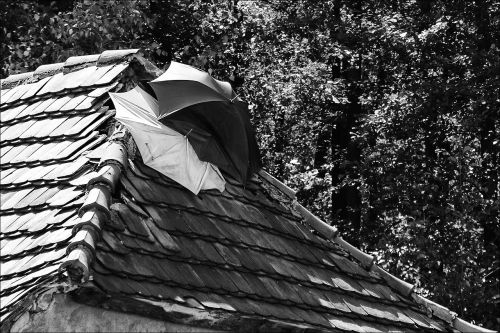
150,152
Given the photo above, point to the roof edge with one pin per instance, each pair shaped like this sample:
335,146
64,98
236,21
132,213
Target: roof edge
70,65
369,262
189,311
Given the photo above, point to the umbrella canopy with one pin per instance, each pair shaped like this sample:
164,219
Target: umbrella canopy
186,94
161,147
183,85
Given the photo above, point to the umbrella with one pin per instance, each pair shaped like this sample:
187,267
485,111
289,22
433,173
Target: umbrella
189,95
161,147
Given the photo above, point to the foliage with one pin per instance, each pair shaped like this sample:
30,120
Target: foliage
383,115
36,33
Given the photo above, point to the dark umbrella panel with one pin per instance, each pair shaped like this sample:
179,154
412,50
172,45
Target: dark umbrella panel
232,147
190,96
206,145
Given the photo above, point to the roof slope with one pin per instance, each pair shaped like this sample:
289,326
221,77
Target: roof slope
245,257
49,120
239,251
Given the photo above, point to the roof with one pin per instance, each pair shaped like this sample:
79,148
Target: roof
81,211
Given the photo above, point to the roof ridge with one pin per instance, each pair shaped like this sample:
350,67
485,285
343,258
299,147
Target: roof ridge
369,262
95,211
71,64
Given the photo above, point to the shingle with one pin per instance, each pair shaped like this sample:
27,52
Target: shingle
150,247
5,173
134,222
12,92
209,250
21,153
87,103
73,80
57,150
11,298
201,225
16,131
9,245
4,150
58,104
12,112
387,292
240,282
39,126
250,259
278,266
52,237
354,305
95,76
31,197
343,282
258,288
34,88
112,284
73,103
98,92
111,74
17,93
229,256
370,288
44,197
117,263
4,93
391,310
60,150
162,236
214,279
224,229
217,301
65,217
64,170
13,200
8,220
41,258
9,176
115,243
37,107
345,324
14,266
64,196
79,124
417,318
49,126
36,220
169,219
279,290
52,85
32,222
129,187
35,151
32,174
17,151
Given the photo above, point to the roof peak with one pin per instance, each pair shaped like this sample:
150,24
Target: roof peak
70,65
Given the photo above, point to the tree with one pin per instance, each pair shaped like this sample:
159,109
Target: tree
384,115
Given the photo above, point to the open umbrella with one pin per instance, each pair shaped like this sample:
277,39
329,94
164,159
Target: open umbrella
191,96
161,147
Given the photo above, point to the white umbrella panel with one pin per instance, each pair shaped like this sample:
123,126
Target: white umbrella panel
162,148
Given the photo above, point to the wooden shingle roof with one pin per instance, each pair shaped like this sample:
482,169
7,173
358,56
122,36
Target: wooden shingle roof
78,207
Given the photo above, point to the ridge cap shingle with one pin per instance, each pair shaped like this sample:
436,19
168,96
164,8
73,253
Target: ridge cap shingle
95,211
368,262
70,65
